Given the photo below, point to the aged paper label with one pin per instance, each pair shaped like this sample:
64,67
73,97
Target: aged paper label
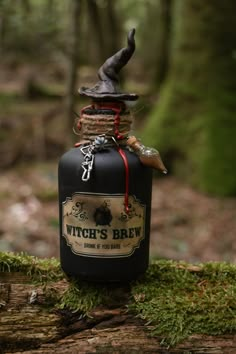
96,225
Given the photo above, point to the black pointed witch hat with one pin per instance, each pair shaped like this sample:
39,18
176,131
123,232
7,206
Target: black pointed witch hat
108,85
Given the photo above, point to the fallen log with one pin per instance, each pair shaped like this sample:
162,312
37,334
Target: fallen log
43,312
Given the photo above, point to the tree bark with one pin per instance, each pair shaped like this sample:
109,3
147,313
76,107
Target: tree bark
30,323
193,123
113,35
165,16
26,7
72,66
3,26
96,25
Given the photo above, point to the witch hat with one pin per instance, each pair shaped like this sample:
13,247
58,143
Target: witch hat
108,85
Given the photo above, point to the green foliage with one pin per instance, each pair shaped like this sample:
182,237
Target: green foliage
32,28
175,298
39,30
47,195
7,98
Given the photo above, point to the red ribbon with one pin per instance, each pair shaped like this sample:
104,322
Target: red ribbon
117,108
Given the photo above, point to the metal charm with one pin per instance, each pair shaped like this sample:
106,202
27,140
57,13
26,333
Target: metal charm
100,143
88,151
87,165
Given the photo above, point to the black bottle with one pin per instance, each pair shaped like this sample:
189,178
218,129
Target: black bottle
105,187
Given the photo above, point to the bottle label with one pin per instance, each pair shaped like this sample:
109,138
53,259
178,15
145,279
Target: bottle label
96,225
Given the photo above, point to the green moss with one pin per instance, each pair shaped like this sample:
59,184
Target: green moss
216,165
40,270
193,124
83,297
79,296
179,300
195,136
175,298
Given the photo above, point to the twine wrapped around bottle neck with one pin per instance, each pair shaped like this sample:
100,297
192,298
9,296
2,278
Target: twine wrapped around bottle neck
108,119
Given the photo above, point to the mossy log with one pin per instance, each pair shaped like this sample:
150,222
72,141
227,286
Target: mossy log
43,312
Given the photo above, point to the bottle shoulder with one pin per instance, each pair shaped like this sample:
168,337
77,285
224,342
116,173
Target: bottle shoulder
72,153
107,174
109,156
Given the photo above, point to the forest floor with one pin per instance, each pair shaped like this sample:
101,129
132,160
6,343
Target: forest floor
186,224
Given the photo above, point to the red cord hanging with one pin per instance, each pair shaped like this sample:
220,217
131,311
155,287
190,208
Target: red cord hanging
116,108
126,164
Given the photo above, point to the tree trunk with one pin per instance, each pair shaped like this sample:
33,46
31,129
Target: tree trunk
113,35
73,66
165,15
3,27
50,6
94,14
26,6
193,124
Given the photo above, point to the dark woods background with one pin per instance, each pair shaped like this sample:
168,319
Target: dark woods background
184,70
49,48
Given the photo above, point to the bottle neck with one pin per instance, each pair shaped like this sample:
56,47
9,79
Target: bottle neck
109,119
102,125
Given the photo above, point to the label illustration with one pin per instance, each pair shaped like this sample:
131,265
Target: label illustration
96,225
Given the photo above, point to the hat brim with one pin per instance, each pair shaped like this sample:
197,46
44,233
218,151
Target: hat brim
84,91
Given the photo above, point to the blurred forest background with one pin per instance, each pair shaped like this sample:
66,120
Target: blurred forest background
184,70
